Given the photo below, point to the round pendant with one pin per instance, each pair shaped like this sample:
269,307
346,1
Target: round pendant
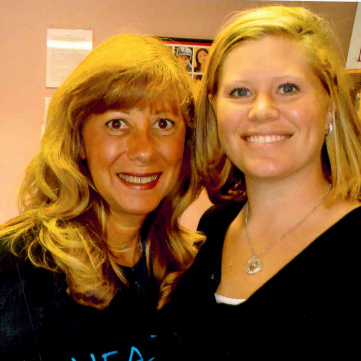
254,265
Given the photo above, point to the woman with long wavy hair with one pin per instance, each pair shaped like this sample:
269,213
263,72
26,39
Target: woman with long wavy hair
97,247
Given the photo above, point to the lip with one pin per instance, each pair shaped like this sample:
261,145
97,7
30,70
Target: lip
266,138
139,181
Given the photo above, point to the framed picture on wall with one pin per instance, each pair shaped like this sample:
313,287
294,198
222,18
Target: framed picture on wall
355,76
191,53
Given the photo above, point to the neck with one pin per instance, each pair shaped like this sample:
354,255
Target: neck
287,197
123,235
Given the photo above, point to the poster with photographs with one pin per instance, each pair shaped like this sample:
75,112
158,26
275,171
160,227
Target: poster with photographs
191,53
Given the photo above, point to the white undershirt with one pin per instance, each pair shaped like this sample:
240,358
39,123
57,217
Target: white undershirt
228,300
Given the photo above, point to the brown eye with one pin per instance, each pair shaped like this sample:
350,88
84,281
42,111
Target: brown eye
164,124
115,124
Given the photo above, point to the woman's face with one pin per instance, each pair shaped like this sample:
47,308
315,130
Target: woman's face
134,157
272,110
202,57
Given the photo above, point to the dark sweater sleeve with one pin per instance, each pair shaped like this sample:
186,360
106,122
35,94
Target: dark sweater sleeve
25,293
16,329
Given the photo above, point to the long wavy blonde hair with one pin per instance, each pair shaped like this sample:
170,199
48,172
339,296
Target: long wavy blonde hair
63,220
341,153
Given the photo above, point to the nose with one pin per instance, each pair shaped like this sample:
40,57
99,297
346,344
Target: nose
263,109
141,147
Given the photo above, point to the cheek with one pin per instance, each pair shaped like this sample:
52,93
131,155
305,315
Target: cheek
309,118
173,150
229,121
100,154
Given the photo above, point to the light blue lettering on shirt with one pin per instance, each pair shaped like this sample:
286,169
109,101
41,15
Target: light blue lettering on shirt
105,355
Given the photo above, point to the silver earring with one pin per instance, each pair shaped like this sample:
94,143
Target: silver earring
330,128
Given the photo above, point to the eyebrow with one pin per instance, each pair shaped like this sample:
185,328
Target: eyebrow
288,76
117,111
152,114
235,81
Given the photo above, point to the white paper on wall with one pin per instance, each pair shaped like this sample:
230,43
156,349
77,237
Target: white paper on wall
65,50
354,53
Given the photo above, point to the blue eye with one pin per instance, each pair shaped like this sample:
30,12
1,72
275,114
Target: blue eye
115,124
239,92
288,88
164,124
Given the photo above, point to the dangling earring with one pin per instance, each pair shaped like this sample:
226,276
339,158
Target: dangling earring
330,128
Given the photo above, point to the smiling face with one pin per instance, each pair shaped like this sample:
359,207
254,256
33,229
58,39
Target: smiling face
134,157
202,57
272,110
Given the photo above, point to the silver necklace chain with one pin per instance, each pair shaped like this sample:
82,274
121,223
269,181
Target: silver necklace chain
254,265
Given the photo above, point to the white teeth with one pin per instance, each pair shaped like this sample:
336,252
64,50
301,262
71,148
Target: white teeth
137,180
266,138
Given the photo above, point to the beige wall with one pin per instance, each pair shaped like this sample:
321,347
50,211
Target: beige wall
23,25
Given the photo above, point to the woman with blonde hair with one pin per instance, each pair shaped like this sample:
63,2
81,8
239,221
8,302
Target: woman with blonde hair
97,247
279,149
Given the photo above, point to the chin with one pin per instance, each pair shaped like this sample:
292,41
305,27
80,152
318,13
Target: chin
265,173
143,210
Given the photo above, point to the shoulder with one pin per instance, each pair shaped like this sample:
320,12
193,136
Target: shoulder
353,213
26,293
219,215
19,276
344,236
8,261
13,263
213,224
346,220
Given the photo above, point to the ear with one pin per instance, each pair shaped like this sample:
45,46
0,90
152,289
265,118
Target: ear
331,111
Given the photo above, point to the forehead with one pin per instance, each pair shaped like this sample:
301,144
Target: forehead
270,54
156,96
153,107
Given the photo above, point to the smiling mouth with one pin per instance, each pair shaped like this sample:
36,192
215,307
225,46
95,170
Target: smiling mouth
137,179
266,138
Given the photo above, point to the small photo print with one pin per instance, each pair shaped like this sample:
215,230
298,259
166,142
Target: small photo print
200,59
184,55
192,54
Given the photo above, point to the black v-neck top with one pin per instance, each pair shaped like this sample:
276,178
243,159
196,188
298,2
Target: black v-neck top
310,308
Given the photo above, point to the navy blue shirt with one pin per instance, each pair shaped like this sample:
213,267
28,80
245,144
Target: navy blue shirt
39,321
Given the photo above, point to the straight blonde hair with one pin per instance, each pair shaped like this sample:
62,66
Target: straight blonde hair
341,154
